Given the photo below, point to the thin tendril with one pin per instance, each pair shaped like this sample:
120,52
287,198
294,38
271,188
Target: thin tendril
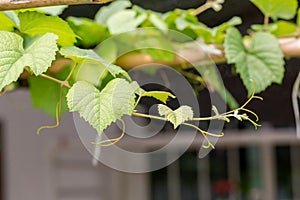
253,113
110,142
203,134
71,72
57,114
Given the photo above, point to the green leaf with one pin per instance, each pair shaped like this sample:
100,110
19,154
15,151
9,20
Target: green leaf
159,95
217,34
34,23
106,12
125,21
285,9
90,71
90,33
262,62
108,50
234,47
13,16
158,22
38,55
100,109
261,27
45,93
177,117
284,28
6,23
79,55
279,28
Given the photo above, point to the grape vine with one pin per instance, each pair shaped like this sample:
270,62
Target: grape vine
52,53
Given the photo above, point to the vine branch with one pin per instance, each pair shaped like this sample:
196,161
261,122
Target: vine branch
21,4
64,83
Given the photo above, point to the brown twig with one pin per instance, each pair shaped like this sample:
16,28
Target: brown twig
21,4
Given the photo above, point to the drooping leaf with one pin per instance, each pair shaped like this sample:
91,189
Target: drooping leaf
285,9
6,23
90,33
262,62
215,84
100,109
124,21
159,95
178,116
79,55
38,55
106,12
13,16
35,23
45,93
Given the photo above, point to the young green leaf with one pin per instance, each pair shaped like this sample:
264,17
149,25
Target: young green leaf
285,9
100,109
262,62
125,21
34,23
217,34
13,57
79,55
159,95
106,12
178,116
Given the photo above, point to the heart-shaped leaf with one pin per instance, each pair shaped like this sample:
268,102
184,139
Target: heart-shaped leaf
178,116
38,55
262,62
285,9
100,109
35,23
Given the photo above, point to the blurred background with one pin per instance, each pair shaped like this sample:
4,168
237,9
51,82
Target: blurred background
247,164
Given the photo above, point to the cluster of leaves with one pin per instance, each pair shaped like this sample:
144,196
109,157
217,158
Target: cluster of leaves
32,40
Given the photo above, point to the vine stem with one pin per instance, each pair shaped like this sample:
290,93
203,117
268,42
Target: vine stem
21,4
266,22
148,116
63,83
204,133
202,8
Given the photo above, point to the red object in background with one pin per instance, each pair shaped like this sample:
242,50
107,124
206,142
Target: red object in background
223,187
